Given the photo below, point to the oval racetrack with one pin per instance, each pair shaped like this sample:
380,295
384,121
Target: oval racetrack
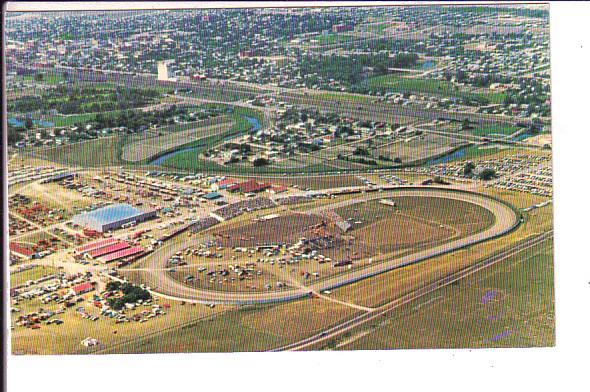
155,276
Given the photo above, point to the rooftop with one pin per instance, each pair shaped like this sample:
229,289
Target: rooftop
109,214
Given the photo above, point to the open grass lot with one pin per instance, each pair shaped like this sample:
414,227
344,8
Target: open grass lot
287,228
18,278
145,149
333,38
64,121
98,152
417,148
54,196
444,88
66,338
28,240
465,218
246,328
493,130
507,305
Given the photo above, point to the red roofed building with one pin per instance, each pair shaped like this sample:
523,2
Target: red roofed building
95,245
81,288
21,251
105,250
121,254
226,183
250,186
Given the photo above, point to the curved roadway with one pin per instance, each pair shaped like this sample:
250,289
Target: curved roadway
155,277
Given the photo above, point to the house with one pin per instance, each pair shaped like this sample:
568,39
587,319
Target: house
81,288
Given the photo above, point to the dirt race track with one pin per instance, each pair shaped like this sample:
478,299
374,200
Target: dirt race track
152,273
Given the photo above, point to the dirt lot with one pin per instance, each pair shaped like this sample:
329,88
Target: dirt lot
318,182
413,222
287,228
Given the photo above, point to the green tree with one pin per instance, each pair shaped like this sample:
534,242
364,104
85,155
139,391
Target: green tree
258,162
468,168
487,174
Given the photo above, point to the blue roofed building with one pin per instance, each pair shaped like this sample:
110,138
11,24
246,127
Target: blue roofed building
112,217
212,196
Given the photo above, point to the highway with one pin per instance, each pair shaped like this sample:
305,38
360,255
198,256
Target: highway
317,340
365,107
160,283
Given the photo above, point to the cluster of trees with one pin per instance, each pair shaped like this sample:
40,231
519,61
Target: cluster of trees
354,69
131,294
485,174
137,119
362,151
73,100
259,162
362,160
14,135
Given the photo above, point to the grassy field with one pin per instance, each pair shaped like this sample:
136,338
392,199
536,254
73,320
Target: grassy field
18,278
64,121
98,152
511,304
146,149
333,38
246,329
486,130
394,82
417,149
66,338
55,196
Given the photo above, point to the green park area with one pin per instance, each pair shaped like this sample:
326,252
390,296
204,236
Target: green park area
443,88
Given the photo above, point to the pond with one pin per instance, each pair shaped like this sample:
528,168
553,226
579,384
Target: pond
17,123
460,153
521,137
255,126
428,64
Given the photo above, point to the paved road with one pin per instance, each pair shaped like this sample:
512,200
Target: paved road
161,283
316,340
367,109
